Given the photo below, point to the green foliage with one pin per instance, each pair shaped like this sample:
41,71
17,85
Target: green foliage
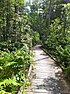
15,46
35,38
58,43
67,72
3,92
63,55
14,67
14,27
52,21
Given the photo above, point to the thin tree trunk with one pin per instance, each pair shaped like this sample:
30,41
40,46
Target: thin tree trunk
50,12
8,20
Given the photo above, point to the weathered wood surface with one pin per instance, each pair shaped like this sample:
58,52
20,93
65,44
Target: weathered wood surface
48,78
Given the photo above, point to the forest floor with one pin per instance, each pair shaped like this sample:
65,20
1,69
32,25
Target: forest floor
48,77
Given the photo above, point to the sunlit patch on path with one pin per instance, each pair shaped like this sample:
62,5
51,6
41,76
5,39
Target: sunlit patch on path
48,78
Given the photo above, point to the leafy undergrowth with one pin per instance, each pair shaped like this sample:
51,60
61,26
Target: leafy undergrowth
58,45
62,58
13,69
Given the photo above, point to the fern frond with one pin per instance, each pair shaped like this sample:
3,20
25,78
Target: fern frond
1,68
10,64
8,82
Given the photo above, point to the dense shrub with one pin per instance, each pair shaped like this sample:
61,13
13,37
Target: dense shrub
58,45
14,68
35,38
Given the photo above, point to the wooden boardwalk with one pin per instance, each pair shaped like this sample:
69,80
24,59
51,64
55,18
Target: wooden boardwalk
48,78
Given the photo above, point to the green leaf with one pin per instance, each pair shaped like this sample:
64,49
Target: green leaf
1,68
10,64
8,82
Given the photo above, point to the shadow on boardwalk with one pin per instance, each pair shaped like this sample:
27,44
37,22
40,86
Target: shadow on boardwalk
50,84
54,85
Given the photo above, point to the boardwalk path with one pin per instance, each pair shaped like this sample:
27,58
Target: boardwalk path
48,78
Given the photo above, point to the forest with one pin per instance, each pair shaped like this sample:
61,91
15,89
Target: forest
24,24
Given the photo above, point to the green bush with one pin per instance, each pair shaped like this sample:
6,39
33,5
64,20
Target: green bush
14,68
35,38
58,45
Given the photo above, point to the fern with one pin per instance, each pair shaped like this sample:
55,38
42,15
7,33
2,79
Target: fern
9,64
13,66
9,82
3,92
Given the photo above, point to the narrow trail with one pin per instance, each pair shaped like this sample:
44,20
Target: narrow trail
48,78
